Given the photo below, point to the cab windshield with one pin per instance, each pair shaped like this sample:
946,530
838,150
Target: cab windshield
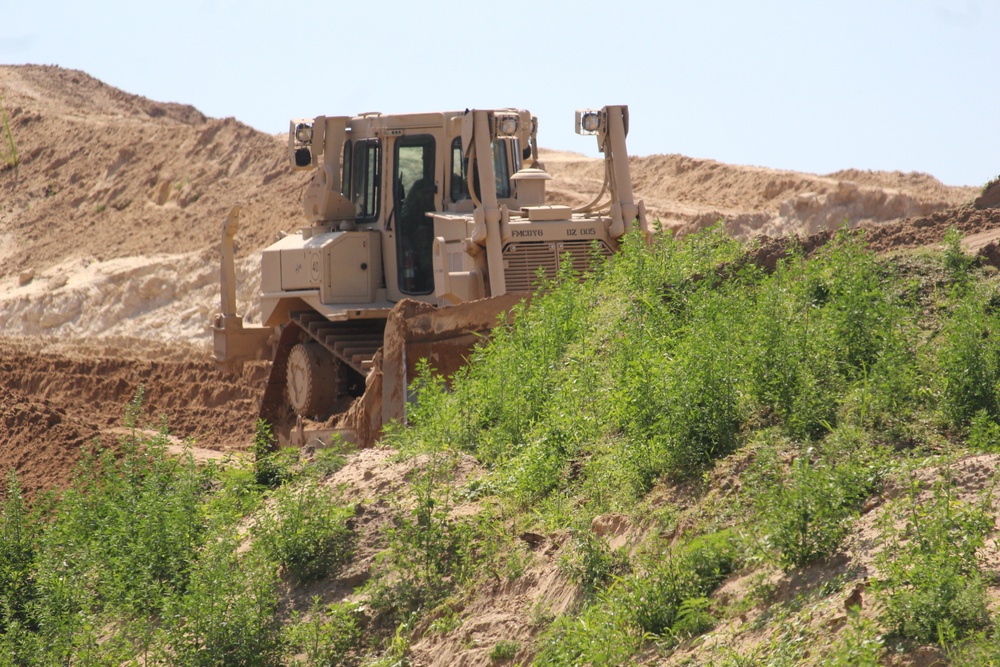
502,150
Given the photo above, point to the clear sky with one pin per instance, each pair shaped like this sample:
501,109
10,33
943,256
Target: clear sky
808,85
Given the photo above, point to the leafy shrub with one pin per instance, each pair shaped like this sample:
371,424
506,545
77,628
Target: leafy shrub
227,614
591,563
808,515
306,532
956,262
701,422
858,645
984,433
328,637
134,520
604,633
667,598
504,650
693,618
18,532
656,596
792,373
428,552
857,307
969,362
931,585
272,467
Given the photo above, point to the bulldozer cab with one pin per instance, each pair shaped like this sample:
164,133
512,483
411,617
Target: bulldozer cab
396,170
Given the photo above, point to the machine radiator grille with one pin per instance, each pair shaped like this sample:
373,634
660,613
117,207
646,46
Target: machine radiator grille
522,260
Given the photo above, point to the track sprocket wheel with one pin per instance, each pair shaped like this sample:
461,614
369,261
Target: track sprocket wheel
312,380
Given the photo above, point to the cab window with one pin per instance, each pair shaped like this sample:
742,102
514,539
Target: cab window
366,175
459,189
460,167
345,173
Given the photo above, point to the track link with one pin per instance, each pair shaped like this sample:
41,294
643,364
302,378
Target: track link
353,342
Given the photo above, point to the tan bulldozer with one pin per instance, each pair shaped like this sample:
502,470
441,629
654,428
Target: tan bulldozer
421,230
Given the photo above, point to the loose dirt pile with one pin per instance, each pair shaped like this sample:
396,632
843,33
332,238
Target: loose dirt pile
83,388
110,222
40,440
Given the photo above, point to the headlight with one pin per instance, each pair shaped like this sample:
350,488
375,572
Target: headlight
304,133
506,125
588,121
303,158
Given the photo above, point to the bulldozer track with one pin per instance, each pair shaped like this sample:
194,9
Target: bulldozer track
354,342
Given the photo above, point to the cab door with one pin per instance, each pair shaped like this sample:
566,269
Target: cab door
414,194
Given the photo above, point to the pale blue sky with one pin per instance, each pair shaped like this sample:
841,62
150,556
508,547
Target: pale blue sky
807,85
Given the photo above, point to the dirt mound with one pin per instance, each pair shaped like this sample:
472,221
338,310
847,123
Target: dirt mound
930,229
104,175
41,441
688,194
990,197
981,230
92,384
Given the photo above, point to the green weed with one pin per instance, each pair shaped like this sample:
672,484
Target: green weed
664,599
428,552
808,515
329,637
8,148
305,532
932,586
859,644
504,650
969,363
272,467
591,564
226,616
18,535
984,433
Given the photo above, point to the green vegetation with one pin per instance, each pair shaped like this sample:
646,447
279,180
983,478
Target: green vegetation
504,650
933,586
808,510
8,149
141,558
741,423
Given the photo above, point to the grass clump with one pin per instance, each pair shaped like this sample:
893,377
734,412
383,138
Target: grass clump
806,512
328,636
591,563
504,651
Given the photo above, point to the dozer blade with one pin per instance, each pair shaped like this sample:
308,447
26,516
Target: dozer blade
415,331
